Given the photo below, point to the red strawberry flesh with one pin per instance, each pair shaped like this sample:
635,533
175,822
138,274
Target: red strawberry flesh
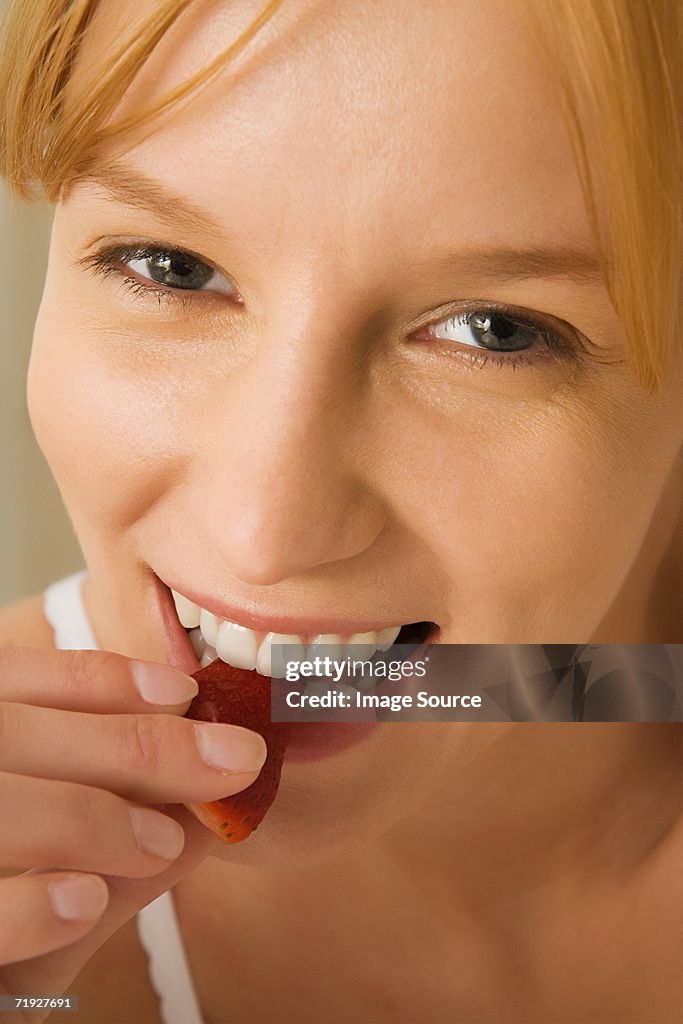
240,697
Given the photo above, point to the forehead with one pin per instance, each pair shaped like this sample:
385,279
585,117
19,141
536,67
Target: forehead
393,122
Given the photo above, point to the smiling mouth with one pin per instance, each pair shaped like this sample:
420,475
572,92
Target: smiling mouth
214,638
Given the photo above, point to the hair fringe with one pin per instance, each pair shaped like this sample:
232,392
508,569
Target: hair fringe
618,67
43,39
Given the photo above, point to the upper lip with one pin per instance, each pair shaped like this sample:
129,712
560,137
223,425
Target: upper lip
285,624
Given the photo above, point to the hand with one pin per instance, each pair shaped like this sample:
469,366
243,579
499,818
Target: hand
88,739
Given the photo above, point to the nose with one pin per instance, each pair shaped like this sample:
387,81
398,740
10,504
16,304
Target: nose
283,489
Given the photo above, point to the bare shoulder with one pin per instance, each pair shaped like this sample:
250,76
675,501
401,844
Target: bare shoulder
24,623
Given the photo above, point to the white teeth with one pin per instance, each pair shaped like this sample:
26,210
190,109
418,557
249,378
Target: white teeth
250,649
332,643
207,657
188,611
387,637
208,624
296,652
362,646
237,645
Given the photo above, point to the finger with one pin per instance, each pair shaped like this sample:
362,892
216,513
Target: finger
52,824
41,913
150,758
93,681
55,971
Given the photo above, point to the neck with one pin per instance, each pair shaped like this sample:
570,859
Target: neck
541,809
534,824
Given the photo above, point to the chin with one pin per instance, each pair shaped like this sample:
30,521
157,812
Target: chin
339,806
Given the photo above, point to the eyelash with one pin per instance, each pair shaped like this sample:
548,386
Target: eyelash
554,344
112,259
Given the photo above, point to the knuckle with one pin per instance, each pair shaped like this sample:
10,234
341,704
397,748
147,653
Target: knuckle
93,816
144,742
8,725
84,668
90,830
77,670
85,814
56,824
12,658
73,830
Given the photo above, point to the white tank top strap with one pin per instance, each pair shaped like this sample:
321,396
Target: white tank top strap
157,923
65,611
169,970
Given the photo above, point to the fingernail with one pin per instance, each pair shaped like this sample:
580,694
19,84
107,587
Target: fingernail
160,684
156,833
78,898
230,747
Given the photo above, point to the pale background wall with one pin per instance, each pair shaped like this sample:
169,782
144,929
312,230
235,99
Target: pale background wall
36,541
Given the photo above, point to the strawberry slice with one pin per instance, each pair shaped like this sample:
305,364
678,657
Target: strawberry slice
240,697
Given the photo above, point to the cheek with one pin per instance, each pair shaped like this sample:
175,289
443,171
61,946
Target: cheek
536,512
111,443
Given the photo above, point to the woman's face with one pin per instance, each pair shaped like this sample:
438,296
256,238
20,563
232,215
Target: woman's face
395,388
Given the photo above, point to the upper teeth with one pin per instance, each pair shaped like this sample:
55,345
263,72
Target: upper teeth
248,648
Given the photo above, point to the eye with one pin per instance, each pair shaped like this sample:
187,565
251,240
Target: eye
488,329
164,271
174,268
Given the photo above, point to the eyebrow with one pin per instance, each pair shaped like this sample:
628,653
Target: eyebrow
134,189
511,264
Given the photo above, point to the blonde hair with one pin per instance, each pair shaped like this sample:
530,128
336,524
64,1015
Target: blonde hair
618,65
619,69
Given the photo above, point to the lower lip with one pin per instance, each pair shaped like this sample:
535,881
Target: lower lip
313,741
179,651
309,741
